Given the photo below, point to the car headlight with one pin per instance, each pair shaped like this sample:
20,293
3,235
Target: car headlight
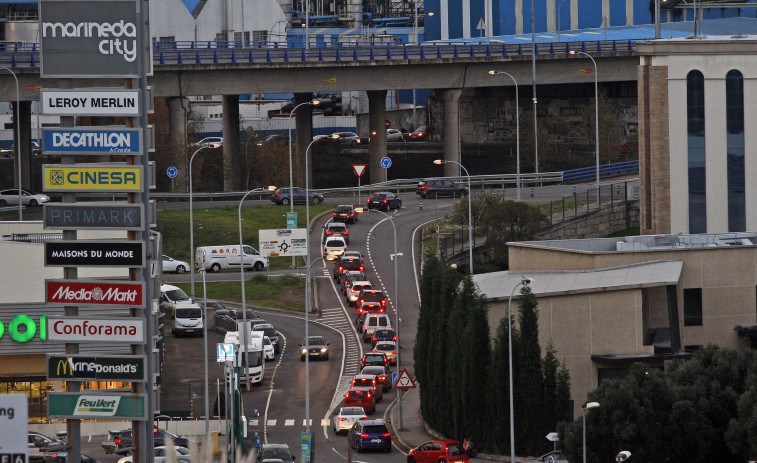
304,351
323,350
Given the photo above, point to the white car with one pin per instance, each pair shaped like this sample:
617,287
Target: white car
160,454
28,198
353,290
172,265
346,417
268,348
210,141
334,247
394,135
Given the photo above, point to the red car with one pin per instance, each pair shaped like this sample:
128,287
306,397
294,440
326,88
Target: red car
419,134
438,451
361,397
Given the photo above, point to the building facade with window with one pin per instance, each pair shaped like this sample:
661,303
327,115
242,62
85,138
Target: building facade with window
605,304
698,164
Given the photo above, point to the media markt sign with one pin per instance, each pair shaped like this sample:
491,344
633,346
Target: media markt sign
75,367
95,292
93,406
88,39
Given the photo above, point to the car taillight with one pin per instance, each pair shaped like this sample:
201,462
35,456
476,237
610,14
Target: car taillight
386,434
352,214
361,267
368,200
346,232
347,396
382,310
424,187
382,378
53,456
383,201
373,381
368,394
395,338
334,214
374,338
329,232
394,352
383,302
341,268
362,300
345,248
118,441
278,194
360,311
364,436
341,419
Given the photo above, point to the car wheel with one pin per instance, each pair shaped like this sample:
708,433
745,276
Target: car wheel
215,268
435,195
302,358
326,357
180,269
3,203
258,266
410,459
285,201
315,201
399,205
354,142
33,203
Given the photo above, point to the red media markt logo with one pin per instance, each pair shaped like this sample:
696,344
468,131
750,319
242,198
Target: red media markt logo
82,292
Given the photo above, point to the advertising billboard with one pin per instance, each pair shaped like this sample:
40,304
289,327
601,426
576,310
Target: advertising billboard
14,425
90,102
92,140
94,253
78,367
88,38
96,405
86,329
95,292
92,178
93,216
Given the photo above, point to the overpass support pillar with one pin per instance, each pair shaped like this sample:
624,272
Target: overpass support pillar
232,160
178,108
303,126
451,136
377,125
25,111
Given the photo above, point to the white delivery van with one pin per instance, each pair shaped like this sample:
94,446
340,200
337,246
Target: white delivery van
253,357
184,315
217,258
373,322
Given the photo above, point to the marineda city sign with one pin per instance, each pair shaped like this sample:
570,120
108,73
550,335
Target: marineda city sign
88,38
95,292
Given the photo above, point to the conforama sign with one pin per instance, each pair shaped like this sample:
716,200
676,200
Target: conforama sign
94,292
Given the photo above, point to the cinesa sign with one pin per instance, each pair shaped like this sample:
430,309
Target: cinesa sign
81,329
93,292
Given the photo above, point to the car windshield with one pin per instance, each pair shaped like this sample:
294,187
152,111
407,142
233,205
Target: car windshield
375,429
455,449
282,454
374,356
254,359
343,209
177,295
353,411
362,382
335,243
421,129
373,297
316,342
384,333
189,313
385,347
378,371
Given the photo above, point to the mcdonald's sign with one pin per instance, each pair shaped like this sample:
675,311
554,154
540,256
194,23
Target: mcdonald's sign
102,367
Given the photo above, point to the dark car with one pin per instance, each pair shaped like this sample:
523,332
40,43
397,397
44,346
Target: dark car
372,295
316,347
370,381
353,253
275,451
438,451
375,359
350,276
344,213
281,196
227,318
370,435
346,265
62,457
384,200
381,373
336,229
273,335
368,307
383,335
125,441
439,187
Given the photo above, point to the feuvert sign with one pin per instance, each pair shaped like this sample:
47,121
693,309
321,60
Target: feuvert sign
92,177
101,367
93,406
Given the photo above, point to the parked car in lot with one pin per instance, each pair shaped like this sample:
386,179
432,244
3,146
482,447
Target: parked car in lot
334,229
361,397
275,451
270,331
384,377
370,435
346,417
438,451
440,187
10,151
419,134
161,454
170,264
124,441
388,348
314,347
268,350
209,141
384,200
344,213
28,198
62,457
281,196
394,135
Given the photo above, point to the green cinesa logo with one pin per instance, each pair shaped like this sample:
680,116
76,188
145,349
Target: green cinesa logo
22,328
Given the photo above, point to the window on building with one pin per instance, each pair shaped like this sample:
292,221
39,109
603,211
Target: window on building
221,40
696,152
734,112
692,307
259,36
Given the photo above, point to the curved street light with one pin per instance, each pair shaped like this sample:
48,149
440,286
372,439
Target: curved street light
191,218
596,114
470,212
517,130
523,282
583,410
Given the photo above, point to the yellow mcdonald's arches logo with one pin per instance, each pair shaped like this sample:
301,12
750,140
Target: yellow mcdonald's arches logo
82,177
64,368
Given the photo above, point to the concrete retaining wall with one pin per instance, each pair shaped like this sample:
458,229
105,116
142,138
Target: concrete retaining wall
608,220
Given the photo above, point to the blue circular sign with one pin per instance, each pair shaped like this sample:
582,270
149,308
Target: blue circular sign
386,162
172,172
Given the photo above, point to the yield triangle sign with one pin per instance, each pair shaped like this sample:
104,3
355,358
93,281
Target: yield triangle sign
481,25
404,381
359,169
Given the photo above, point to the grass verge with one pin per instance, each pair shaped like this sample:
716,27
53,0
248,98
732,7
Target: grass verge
284,292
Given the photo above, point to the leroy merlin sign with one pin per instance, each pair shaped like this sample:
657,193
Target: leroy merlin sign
93,406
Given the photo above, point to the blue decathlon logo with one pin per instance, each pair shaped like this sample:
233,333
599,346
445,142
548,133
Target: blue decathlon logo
82,140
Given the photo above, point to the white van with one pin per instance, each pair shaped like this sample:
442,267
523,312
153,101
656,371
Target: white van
253,356
184,315
373,322
217,258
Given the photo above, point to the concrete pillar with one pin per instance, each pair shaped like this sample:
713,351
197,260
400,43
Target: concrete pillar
303,126
377,123
177,141
232,159
25,112
451,135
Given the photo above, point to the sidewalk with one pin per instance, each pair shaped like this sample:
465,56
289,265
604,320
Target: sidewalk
414,431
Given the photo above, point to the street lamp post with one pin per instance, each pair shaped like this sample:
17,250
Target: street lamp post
583,410
191,219
559,10
205,350
517,130
524,282
396,311
596,115
18,144
470,211
291,177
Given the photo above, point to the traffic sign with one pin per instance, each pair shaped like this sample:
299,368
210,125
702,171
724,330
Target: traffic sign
14,417
172,172
388,124
224,352
291,220
283,242
404,381
553,437
386,162
359,169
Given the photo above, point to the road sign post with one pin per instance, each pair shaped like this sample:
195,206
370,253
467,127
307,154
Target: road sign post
359,170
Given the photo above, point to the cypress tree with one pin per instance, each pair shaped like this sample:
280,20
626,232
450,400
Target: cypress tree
529,378
550,366
499,390
456,341
429,307
563,411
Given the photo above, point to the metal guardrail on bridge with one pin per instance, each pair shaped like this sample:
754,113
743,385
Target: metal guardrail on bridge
585,174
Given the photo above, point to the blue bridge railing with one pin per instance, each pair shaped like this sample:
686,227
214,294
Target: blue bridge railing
605,170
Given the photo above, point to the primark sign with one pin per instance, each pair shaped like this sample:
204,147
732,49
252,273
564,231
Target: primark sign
95,38
92,140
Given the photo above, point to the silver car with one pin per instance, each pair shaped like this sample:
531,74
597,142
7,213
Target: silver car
346,417
394,135
172,265
28,198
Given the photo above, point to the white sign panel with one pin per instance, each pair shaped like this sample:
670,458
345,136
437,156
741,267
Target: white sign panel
83,329
224,352
283,242
14,423
90,102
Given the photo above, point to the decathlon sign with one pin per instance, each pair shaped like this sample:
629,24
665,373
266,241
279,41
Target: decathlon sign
75,367
92,140
94,253
82,329
91,102
84,39
76,405
93,216
95,292
92,177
